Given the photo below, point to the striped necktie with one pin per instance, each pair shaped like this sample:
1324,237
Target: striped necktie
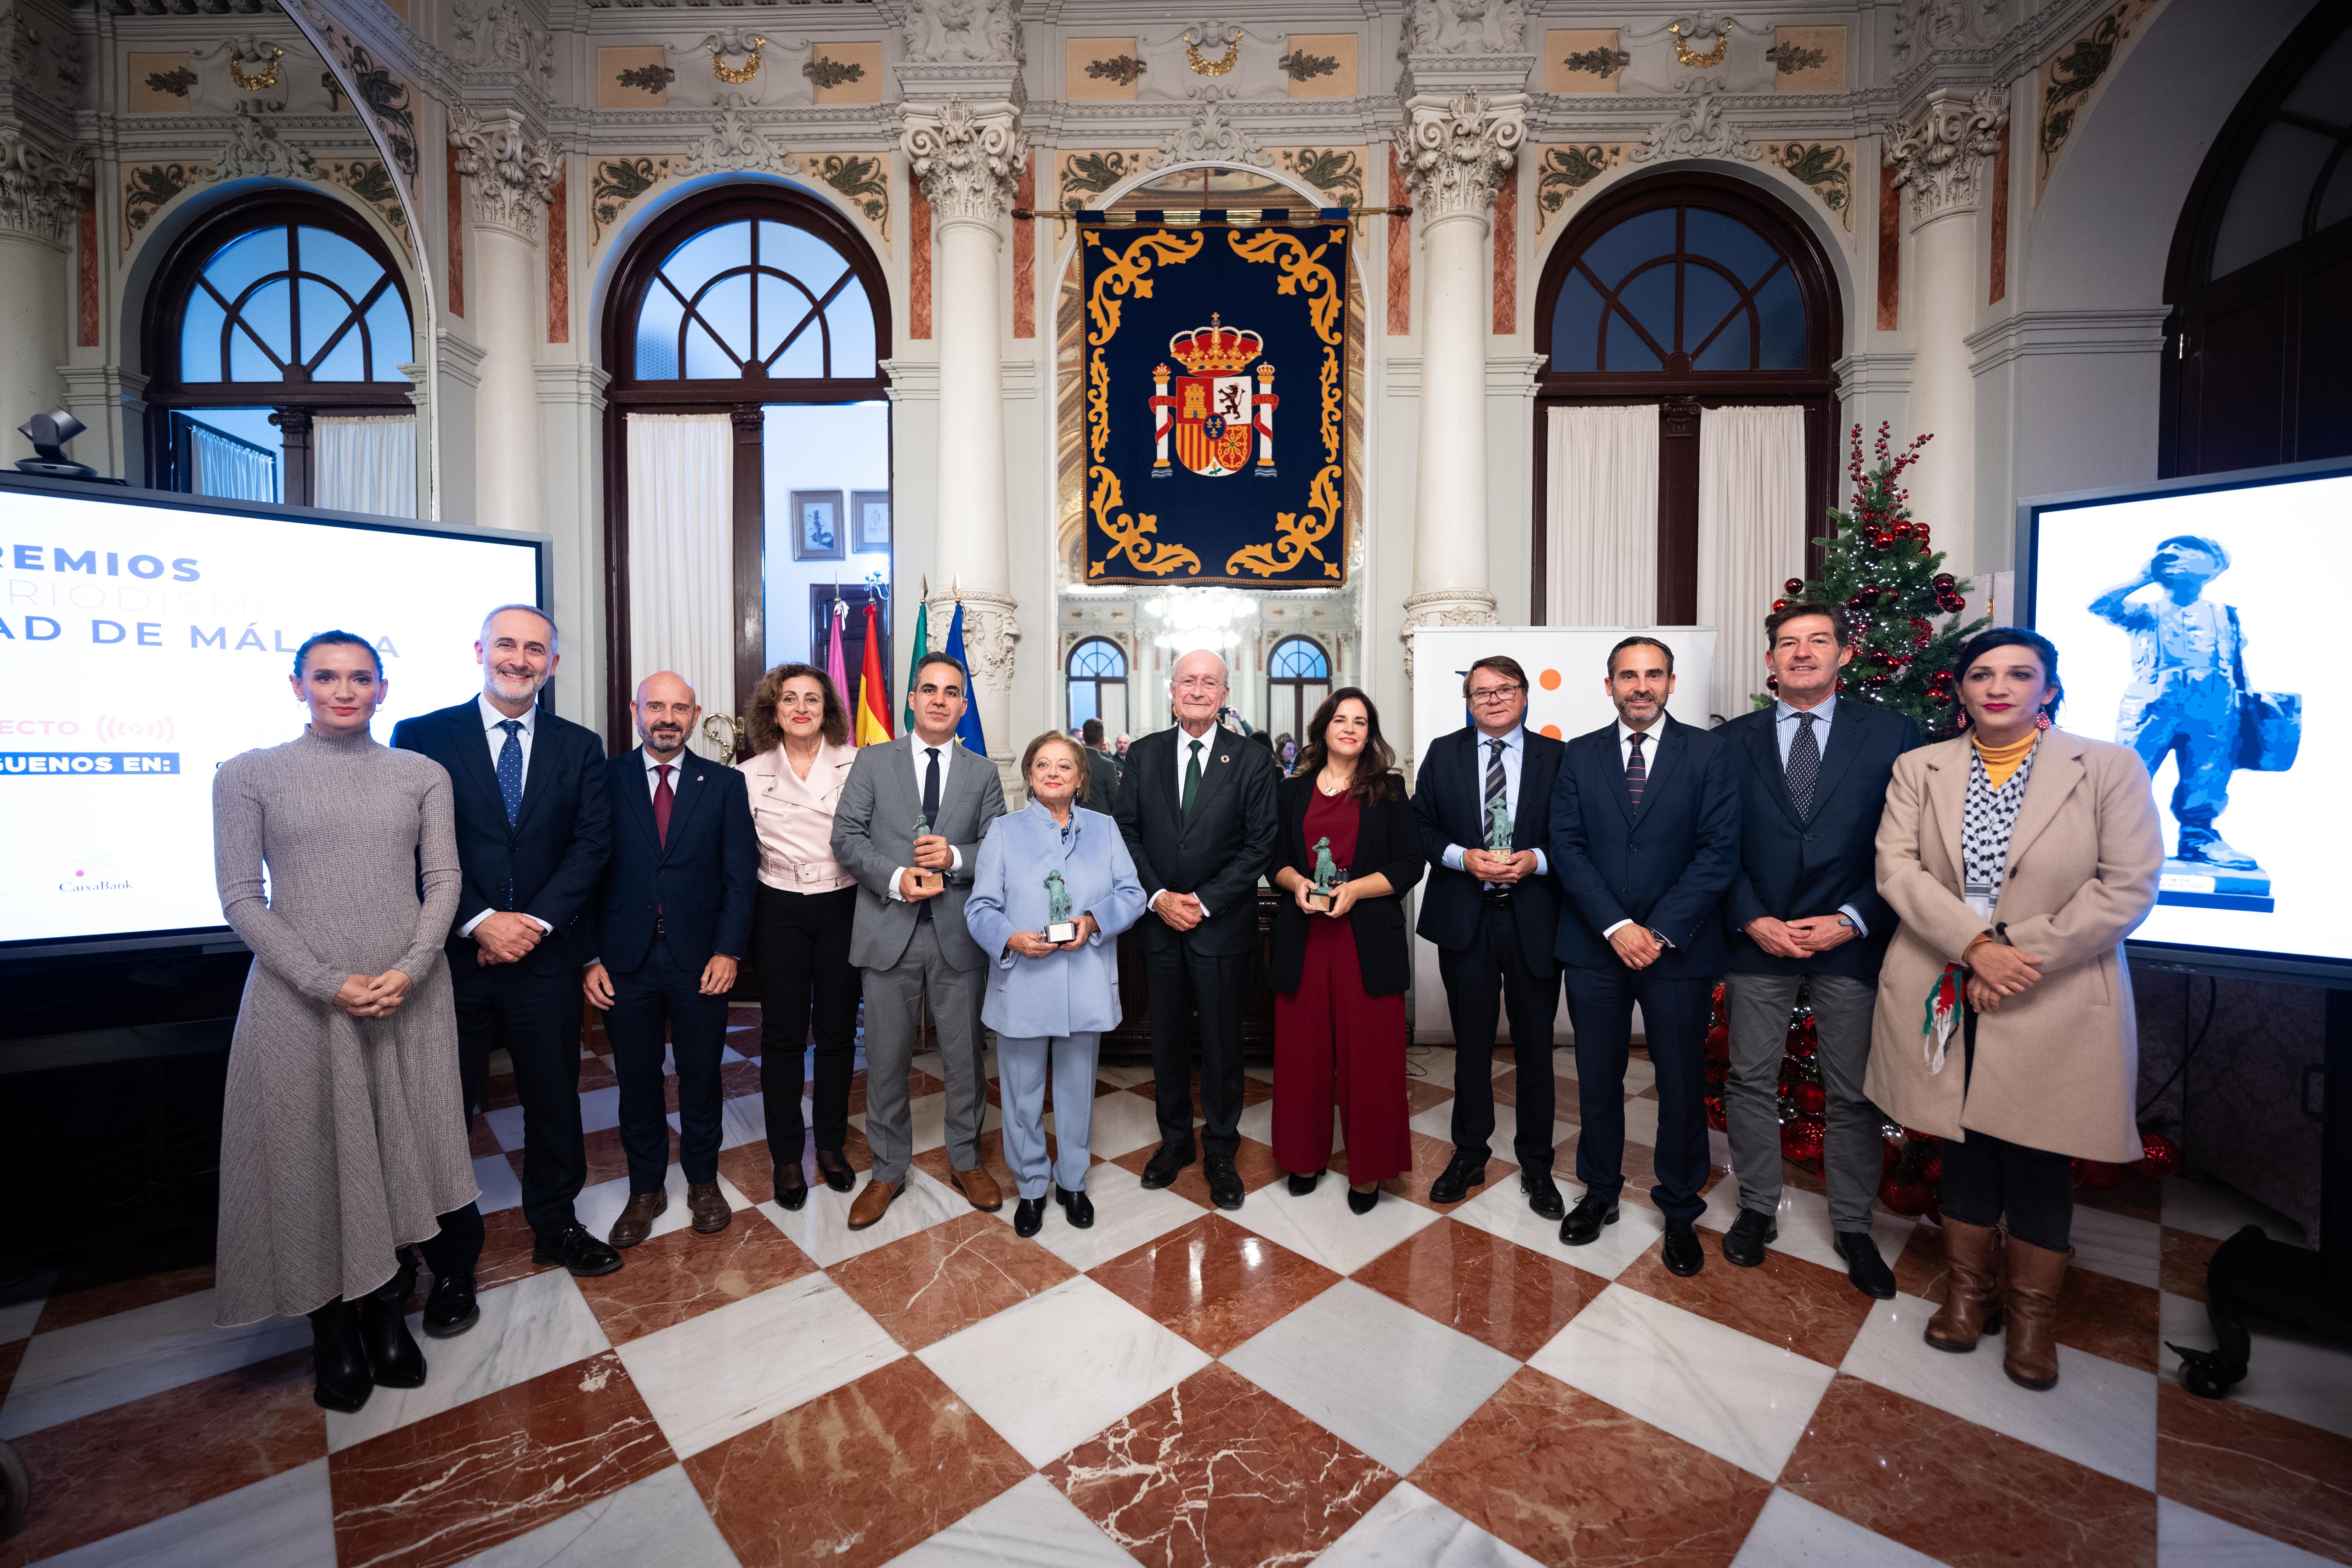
1637,772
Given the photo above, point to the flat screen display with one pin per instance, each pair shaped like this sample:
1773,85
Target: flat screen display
147,638
2203,624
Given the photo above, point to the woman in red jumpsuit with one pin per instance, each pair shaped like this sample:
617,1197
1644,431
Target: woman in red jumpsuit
1340,975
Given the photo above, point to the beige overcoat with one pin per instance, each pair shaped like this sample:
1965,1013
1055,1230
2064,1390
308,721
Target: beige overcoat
2056,1067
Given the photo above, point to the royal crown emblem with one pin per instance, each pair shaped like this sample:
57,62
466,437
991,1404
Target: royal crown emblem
1209,416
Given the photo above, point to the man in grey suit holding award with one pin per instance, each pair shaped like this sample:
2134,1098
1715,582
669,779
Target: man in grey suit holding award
908,826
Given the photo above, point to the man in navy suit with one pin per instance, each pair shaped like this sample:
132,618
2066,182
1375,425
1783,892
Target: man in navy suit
675,918
1645,837
1804,908
534,826
1493,915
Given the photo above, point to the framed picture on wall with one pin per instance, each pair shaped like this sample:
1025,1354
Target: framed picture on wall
869,520
817,525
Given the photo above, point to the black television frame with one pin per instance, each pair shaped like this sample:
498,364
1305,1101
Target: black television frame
220,938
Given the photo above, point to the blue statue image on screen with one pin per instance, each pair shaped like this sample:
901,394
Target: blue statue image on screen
2189,699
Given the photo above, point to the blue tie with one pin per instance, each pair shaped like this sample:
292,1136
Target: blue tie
511,769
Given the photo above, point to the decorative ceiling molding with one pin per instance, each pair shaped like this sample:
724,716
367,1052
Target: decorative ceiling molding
253,151
734,143
958,32
1210,137
1461,28
40,191
1699,131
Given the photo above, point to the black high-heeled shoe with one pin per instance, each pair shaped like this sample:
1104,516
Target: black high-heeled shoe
1302,1185
793,1195
1361,1203
337,1358
393,1357
838,1176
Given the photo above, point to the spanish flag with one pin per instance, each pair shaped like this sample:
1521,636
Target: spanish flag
873,696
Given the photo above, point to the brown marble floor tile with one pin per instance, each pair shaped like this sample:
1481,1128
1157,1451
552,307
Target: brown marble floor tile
1962,1493
1213,1282
451,1485
498,1091
735,1080
747,1165
1919,1267
2276,1477
507,1243
1252,1162
1421,1095
138,1461
1563,1093
83,1296
925,1286
1497,1291
480,1142
1569,1479
596,1072
1217,1472
681,1274
1430,1157
2186,1254
1255,1092
855,1477
918,1085
1784,1300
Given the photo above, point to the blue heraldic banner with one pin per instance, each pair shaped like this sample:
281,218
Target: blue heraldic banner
1216,363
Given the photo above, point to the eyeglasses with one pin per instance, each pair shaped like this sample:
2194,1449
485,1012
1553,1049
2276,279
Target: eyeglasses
1490,694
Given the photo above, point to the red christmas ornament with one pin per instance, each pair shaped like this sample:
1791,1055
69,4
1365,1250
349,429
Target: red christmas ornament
1715,1117
1719,1044
1716,1073
1804,1047
2101,1176
1890,1155
2159,1156
1910,1199
1793,586
1929,1140
1931,1171
1717,1000
1808,1099
1800,1140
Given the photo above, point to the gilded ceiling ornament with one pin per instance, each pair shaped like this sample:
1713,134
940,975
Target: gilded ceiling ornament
264,78
1686,56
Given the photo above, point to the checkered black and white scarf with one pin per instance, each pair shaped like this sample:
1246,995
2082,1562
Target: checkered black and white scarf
1988,819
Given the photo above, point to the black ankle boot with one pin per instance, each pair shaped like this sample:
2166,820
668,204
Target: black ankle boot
337,1358
393,1356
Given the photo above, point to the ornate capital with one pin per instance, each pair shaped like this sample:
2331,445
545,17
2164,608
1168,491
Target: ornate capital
511,172
1463,27
39,191
1456,151
253,148
1444,607
967,161
1938,153
992,625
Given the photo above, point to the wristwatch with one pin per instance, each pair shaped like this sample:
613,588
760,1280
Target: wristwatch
1847,921
1660,937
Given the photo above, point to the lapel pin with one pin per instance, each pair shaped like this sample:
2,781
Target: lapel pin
1224,759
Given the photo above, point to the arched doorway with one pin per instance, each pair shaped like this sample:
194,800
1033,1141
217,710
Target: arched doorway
1298,679
1094,678
1689,291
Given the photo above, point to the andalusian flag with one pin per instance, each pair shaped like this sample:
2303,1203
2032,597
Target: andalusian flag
914,660
969,730
872,697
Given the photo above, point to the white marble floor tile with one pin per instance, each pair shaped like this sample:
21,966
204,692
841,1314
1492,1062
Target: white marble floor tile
1126,1215
598,1206
1257,1123
1321,1226
506,1122
1032,1526
1793,1533
1128,1075
821,1226
129,1355
728,1370
1641,1122
1738,1397
2288,1373
1436,1064
1123,1124
599,1109
1052,1372
659,1519
20,1306
501,1187
529,1327
2187,1539
1500,1210
2101,1414
2209,1208
1410,1528
739,1034
1318,1360
2118,1244
927,1121
286,1521
1804,1221
1438,1122
1263,1072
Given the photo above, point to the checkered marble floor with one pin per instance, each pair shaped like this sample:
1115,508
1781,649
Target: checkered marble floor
1285,1384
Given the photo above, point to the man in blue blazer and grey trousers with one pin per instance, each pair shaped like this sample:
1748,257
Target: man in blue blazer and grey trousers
1645,837
673,918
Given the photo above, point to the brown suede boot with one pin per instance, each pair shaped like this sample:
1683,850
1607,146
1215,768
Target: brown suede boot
2029,1356
1972,1287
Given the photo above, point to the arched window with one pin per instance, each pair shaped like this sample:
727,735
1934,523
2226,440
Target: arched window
2260,277
270,316
1096,674
760,303
1298,679
1686,291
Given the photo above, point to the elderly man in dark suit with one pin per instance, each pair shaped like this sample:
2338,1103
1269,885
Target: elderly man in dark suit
1645,837
909,941
676,916
1803,908
534,828
1493,912
1198,813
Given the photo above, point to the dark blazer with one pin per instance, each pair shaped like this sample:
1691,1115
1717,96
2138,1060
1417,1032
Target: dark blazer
1219,854
1666,868
702,880
1388,843
1445,801
1102,781
1790,867
554,853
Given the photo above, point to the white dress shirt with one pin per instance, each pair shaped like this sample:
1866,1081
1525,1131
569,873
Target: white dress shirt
1515,750
1210,739
491,719
1650,738
654,766
922,754
1784,730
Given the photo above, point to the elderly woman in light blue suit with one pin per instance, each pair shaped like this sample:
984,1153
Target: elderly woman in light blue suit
1047,1000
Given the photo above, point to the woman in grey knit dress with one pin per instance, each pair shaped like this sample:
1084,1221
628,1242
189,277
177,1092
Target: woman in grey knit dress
342,1139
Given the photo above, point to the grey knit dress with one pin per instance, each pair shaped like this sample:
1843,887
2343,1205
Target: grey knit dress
341,1137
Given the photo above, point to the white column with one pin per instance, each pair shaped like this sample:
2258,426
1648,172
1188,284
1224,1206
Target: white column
508,175
968,160
1938,154
38,194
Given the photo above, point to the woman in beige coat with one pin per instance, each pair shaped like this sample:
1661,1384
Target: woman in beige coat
2019,857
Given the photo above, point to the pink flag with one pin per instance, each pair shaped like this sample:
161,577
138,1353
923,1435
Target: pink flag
835,670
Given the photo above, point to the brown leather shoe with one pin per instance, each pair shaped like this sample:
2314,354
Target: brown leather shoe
636,1221
2029,1352
874,1202
710,1212
977,1186
1972,1258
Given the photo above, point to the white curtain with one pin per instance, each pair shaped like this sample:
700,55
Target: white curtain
1600,517
364,465
1751,535
232,469
682,554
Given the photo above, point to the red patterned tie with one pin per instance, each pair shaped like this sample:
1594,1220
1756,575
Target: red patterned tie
663,800
1637,772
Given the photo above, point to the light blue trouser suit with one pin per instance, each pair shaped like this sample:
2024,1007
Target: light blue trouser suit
1021,1066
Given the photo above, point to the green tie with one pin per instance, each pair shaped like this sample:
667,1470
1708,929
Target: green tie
1192,777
